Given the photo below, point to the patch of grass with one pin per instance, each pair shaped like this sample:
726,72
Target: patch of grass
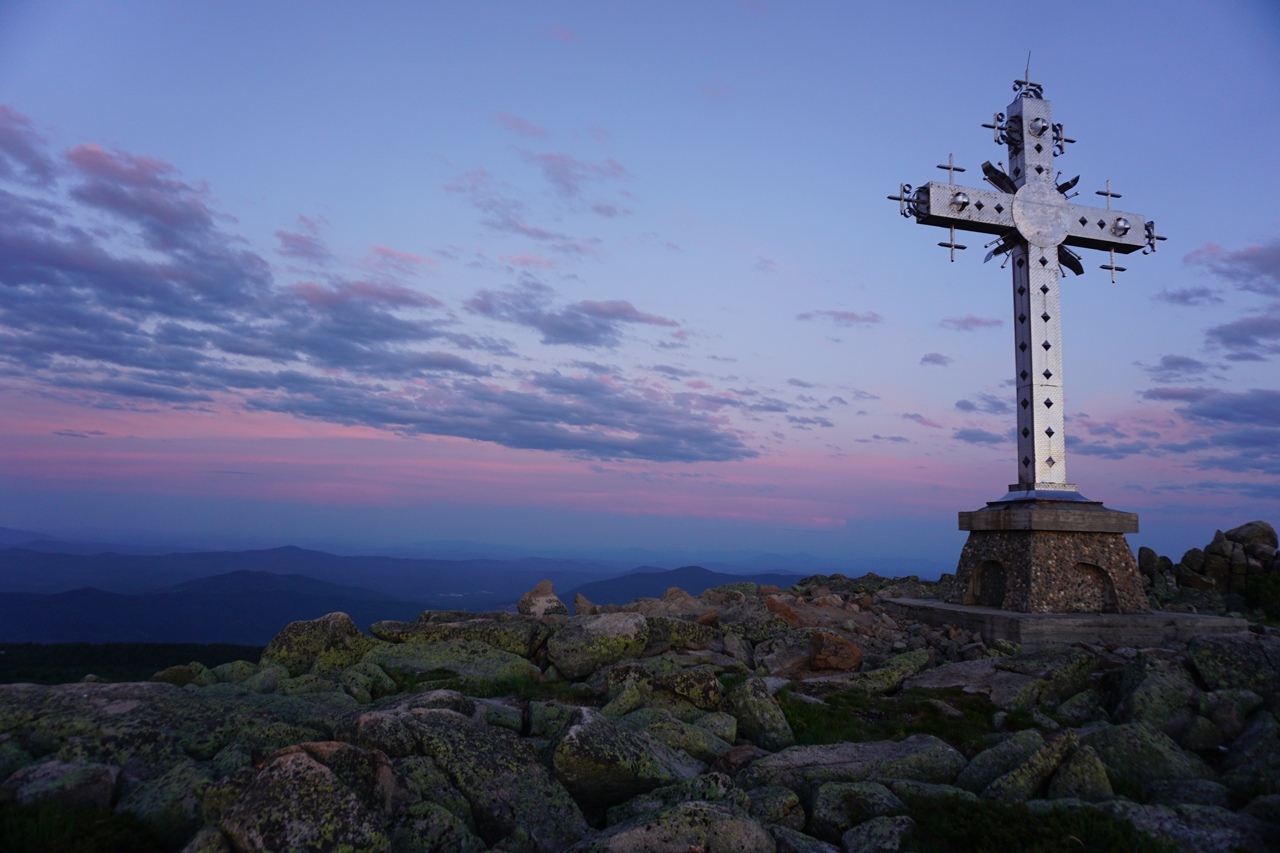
728,681
998,828
855,717
64,663
56,829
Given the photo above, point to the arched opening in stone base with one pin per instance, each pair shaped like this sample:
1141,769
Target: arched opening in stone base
1097,589
986,585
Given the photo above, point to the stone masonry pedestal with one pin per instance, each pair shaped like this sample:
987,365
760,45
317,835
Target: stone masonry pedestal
1049,556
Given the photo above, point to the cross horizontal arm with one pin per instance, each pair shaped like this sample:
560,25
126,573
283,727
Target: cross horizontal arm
968,208
1095,228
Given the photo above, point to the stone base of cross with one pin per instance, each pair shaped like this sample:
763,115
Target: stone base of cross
1043,547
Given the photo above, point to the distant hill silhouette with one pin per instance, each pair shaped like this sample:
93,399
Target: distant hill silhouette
246,607
463,584
653,583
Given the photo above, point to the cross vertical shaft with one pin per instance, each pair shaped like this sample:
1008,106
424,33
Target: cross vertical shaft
1038,357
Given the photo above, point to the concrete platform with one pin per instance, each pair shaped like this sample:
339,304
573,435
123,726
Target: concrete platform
1039,630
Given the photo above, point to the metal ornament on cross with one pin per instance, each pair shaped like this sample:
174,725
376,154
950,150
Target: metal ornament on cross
1036,227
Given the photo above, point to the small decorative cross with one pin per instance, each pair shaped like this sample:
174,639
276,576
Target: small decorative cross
1035,225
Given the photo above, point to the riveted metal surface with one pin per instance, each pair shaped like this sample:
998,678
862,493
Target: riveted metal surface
989,211
1040,212
1034,222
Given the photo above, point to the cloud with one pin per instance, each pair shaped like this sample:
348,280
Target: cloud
1251,338
587,323
565,36
922,420
1255,407
1175,368
977,436
1253,268
23,156
505,214
120,288
304,244
568,174
1118,450
936,358
1179,394
969,323
800,383
1189,296
764,264
844,318
609,211
987,403
515,124
801,422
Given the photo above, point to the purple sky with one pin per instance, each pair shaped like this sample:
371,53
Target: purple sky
588,276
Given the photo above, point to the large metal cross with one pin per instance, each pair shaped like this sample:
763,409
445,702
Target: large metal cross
1035,224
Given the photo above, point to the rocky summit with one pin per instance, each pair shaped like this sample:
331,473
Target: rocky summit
745,718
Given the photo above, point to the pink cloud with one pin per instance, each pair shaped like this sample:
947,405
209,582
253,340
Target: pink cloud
470,181
565,36
844,318
524,260
969,323
515,124
621,310
568,174
922,420
371,291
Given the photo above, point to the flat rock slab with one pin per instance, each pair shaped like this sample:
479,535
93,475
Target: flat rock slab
1040,630
923,758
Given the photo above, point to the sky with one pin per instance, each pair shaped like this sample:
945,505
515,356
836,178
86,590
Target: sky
614,275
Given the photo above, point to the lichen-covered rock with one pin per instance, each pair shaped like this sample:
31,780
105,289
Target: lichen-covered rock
1135,756
793,841
759,717
1082,776
296,803
1198,828
681,633
930,795
992,763
329,644
366,681
541,601
1253,533
234,672
183,674
720,724
1025,781
828,651
1251,764
306,683
708,788
466,658
586,643
1244,660
924,758
519,635
662,725
1084,707
1056,673
1201,792
421,775
774,804
838,806
878,835
63,783
750,619
429,827
171,800
547,718
266,679
709,827
1229,710
1162,697
602,764
697,684
499,773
